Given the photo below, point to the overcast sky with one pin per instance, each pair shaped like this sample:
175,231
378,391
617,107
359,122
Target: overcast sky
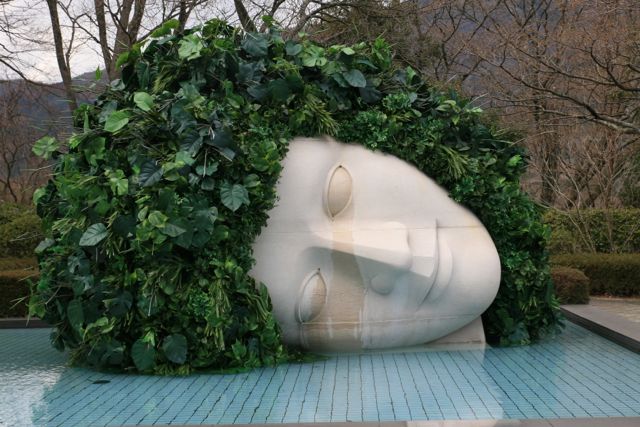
33,45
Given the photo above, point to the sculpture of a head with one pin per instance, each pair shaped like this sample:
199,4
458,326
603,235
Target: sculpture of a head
364,251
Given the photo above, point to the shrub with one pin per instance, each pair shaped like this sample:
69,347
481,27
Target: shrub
594,230
156,202
20,231
11,211
609,274
571,284
14,291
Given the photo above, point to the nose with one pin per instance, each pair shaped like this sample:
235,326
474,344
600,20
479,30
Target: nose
381,251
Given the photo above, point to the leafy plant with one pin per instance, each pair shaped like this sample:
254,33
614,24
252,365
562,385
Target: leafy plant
154,207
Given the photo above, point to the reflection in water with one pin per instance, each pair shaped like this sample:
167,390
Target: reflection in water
576,375
28,366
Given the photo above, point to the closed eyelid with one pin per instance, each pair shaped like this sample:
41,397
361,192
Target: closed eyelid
338,192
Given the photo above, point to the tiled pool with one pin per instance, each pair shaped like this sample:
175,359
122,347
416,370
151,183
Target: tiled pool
578,374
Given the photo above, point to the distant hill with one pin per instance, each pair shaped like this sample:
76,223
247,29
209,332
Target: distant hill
45,106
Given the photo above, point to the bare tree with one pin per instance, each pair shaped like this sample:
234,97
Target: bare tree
21,172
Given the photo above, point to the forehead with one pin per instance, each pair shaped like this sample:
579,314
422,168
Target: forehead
382,188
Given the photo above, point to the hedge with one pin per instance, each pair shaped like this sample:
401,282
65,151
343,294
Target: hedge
571,284
610,274
20,230
594,230
15,291
17,263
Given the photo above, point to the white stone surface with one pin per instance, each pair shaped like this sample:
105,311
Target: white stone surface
364,251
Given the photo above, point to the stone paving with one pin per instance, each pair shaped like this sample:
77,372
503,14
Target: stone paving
625,307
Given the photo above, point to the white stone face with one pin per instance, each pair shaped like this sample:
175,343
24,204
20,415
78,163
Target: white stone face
365,251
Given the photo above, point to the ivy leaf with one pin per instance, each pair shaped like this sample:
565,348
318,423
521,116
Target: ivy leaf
75,314
175,348
190,47
150,173
143,355
94,235
172,230
255,44
355,78
157,219
116,121
292,48
233,195
45,147
143,101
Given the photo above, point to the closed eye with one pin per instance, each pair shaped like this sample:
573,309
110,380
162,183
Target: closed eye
339,190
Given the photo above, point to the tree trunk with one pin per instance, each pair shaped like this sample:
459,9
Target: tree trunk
63,66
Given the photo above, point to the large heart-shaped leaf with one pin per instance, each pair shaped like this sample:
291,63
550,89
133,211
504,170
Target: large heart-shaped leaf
75,314
150,173
175,348
355,78
143,101
143,354
94,235
233,195
116,121
256,44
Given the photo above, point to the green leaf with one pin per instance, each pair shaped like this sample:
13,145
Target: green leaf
38,194
514,161
143,101
157,219
94,235
190,47
348,51
75,314
233,196
165,28
223,141
116,121
122,59
279,90
44,245
355,78
175,348
184,158
207,171
45,147
172,230
143,354
150,173
256,44
292,48
98,74
124,225
120,305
